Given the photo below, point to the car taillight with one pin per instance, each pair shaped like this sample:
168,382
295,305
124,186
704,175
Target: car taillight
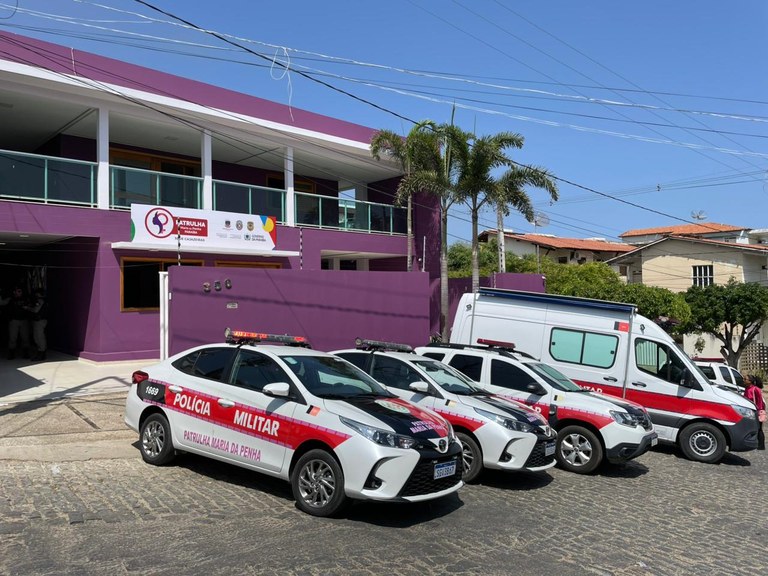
139,377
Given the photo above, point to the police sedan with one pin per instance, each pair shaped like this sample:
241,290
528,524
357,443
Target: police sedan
271,404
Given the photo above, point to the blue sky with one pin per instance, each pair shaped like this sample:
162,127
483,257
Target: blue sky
651,111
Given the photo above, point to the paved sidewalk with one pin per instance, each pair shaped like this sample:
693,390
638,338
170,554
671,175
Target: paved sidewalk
63,376
65,409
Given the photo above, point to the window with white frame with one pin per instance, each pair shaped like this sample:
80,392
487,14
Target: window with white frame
703,275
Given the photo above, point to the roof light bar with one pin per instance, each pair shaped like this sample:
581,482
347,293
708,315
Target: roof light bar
243,336
362,344
497,343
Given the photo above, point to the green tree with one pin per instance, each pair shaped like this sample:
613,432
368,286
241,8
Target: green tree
415,154
460,259
732,313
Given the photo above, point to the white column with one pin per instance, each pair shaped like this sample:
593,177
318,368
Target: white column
102,159
290,196
206,162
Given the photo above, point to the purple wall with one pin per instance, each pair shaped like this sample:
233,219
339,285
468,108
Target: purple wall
330,308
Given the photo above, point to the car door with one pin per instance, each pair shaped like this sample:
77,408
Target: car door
515,380
250,427
190,398
654,381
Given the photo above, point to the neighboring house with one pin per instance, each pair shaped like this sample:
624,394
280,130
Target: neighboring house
561,250
85,138
678,257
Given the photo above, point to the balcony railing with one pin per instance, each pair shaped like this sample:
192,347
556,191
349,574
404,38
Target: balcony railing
249,199
343,214
137,186
61,181
47,179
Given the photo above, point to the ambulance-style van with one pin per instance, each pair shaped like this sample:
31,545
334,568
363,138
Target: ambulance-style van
607,347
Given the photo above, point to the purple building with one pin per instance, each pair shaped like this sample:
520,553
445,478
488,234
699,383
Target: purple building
86,140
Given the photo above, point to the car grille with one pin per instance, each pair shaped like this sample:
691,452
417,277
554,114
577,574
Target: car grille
537,457
422,482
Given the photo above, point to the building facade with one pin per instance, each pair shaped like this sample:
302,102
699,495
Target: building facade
86,138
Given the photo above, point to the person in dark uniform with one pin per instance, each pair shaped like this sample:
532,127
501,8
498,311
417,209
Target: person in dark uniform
38,312
18,323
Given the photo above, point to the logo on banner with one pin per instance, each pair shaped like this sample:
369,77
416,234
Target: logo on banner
159,222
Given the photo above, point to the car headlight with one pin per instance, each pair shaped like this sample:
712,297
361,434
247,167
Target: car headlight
744,412
625,418
509,423
451,433
379,436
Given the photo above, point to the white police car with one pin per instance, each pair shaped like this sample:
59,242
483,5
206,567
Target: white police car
495,432
591,427
297,414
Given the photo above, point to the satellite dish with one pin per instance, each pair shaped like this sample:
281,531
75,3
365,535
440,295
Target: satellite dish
540,219
699,215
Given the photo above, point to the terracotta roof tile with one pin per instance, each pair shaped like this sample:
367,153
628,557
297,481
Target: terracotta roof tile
568,243
684,229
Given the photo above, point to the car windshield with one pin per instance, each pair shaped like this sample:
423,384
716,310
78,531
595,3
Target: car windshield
333,378
554,377
450,379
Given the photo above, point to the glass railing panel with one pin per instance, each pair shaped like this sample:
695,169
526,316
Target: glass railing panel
131,186
380,220
307,210
179,191
71,183
46,178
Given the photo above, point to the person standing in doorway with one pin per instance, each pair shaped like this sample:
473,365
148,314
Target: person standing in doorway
38,311
753,392
18,324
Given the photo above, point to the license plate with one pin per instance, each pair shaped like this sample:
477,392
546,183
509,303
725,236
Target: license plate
444,470
654,441
549,448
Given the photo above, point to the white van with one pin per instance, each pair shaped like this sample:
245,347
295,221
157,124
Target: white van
591,428
720,373
607,347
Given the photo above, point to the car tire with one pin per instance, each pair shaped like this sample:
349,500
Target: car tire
578,450
317,482
472,457
702,442
155,442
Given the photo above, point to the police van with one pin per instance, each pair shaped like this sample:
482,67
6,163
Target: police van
271,404
495,432
591,428
607,347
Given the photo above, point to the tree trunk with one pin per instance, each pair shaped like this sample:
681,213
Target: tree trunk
500,240
475,262
444,273
409,226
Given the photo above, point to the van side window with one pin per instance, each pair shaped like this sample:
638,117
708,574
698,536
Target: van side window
434,355
726,374
579,347
471,366
658,360
509,376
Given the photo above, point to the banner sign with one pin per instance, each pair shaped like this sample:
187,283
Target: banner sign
201,228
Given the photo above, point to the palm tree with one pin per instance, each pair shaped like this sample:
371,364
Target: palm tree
477,186
414,153
509,192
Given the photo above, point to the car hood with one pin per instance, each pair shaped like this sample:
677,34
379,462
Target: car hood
612,402
400,416
731,397
503,407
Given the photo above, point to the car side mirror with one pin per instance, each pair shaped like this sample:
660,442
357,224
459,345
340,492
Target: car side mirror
420,387
535,388
277,389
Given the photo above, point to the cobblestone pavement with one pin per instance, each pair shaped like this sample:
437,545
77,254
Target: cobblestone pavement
658,515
